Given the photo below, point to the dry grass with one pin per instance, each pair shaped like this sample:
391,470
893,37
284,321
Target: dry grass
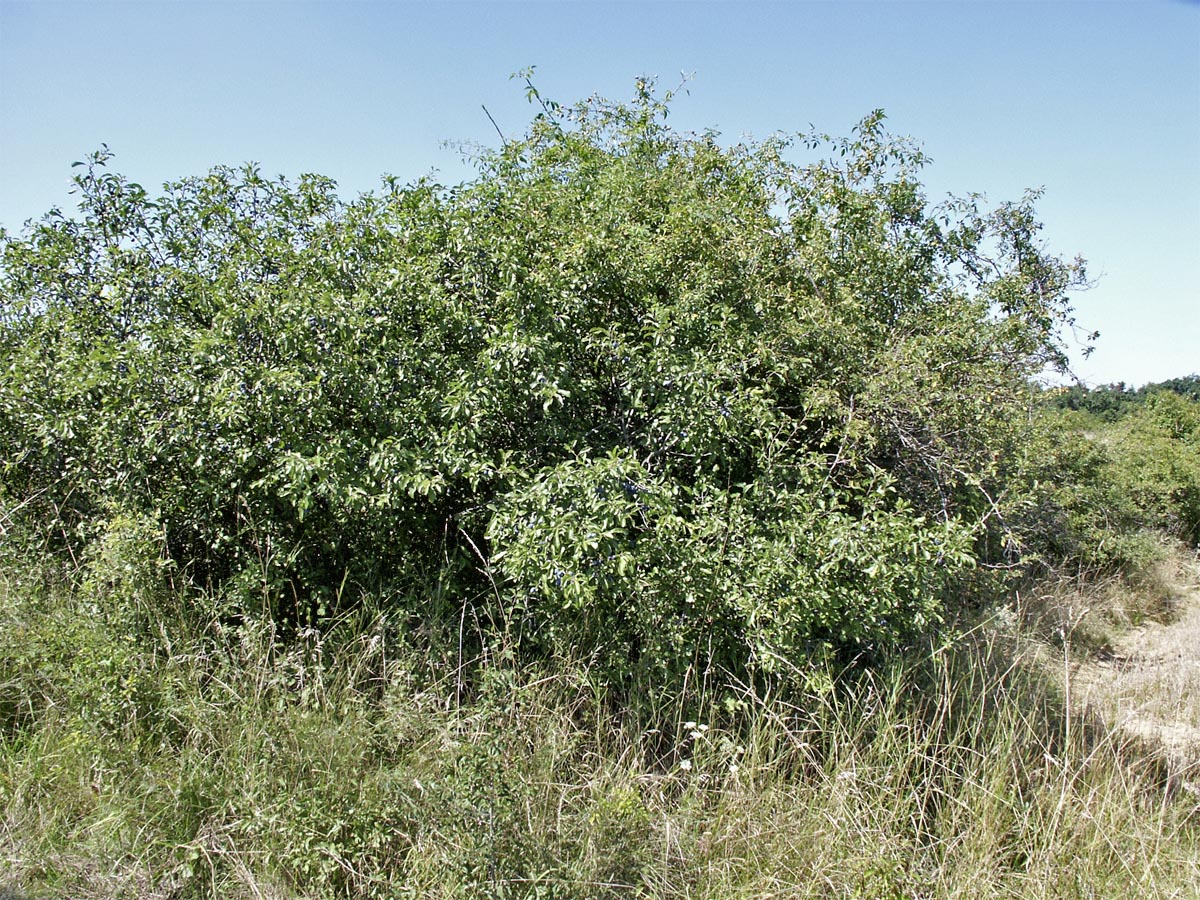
1148,685
253,770
1125,652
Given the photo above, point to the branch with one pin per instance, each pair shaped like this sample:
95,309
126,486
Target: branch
503,139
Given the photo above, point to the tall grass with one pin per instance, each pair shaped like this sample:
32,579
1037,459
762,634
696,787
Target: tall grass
148,750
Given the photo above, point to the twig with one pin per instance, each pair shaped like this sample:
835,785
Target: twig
503,139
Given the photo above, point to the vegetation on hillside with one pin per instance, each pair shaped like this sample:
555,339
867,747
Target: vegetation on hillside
1120,485
1112,401
619,523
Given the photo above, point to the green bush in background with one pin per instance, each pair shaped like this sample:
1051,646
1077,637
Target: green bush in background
1104,489
1110,402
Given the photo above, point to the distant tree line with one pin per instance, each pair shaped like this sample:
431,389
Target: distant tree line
1111,402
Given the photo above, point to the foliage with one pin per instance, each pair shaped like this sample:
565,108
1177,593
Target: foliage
1158,456
684,406
1105,495
1110,402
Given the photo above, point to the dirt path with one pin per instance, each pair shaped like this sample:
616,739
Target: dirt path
1150,686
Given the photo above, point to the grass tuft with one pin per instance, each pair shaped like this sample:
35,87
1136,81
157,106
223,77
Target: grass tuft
201,762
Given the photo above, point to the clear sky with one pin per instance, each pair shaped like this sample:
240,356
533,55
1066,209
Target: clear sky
1099,103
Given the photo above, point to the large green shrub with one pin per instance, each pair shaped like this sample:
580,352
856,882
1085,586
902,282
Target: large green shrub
628,391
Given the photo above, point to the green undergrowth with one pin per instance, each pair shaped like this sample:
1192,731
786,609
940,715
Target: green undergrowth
149,751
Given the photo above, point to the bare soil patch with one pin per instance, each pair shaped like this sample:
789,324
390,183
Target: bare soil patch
1148,686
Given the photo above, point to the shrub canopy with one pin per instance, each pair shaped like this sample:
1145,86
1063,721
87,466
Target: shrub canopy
628,391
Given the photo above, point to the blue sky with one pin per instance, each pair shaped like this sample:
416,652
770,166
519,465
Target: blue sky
1099,103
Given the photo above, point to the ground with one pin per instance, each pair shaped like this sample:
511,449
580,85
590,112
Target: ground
1147,685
